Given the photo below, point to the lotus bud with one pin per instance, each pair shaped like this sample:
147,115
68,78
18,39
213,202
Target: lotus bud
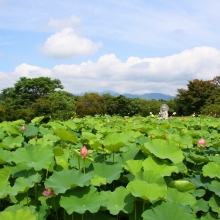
202,142
23,128
84,152
48,192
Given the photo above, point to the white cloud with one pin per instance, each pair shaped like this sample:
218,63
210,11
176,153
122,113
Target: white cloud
136,75
66,44
64,23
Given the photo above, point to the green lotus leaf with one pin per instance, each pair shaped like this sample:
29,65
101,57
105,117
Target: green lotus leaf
183,198
167,211
37,120
23,184
2,135
182,185
67,179
42,130
156,133
214,202
214,187
199,193
38,156
11,142
159,166
165,149
66,135
201,205
114,141
63,160
22,170
198,158
5,156
151,177
4,176
11,129
212,170
108,171
209,216
152,192
56,125
98,181
133,166
200,181
81,200
18,215
58,151
119,200
71,124
30,131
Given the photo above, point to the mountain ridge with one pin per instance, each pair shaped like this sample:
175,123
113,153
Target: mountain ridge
152,95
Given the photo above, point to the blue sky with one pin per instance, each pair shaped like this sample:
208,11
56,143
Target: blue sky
127,46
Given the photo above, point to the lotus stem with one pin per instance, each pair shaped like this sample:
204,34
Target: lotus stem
72,217
55,208
82,216
84,161
143,206
135,210
113,157
79,163
27,198
35,191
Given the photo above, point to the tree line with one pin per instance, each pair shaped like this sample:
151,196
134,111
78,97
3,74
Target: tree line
43,96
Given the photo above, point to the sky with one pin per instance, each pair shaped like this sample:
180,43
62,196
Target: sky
126,46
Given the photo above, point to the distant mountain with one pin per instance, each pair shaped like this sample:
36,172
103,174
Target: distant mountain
149,96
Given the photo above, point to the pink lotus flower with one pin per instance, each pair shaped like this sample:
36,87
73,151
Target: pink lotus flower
171,116
202,142
84,152
23,128
48,192
164,136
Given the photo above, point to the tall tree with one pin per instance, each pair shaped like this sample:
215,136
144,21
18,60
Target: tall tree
90,104
194,98
27,90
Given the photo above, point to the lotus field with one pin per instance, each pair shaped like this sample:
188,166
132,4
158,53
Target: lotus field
109,168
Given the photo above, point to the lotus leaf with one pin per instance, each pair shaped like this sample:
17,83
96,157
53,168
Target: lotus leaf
119,200
183,198
167,211
18,215
11,129
165,149
209,216
5,156
98,181
67,179
214,202
214,187
199,193
4,176
182,185
133,166
37,120
212,170
38,156
30,131
146,191
23,184
66,135
200,181
108,171
114,141
11,142
159,166
201,205
82,199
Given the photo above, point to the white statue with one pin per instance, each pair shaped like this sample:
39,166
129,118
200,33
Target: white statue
163,112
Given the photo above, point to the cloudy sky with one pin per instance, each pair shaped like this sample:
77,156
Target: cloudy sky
127,46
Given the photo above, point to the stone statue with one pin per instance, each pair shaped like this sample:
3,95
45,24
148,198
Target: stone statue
163,112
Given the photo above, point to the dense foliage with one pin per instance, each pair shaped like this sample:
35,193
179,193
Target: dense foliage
129,168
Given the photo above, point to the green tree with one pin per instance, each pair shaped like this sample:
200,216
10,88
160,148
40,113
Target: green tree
27,90
194,98
58,105
90,104
147,106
